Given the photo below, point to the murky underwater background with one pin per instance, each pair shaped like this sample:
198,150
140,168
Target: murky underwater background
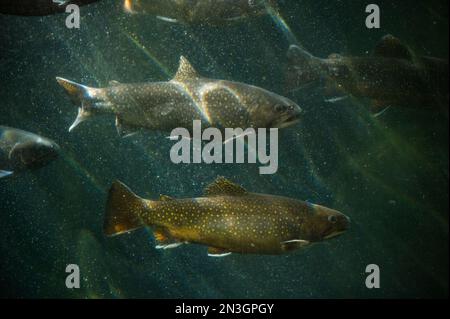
389,174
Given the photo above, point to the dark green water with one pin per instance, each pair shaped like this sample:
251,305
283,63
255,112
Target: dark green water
390,175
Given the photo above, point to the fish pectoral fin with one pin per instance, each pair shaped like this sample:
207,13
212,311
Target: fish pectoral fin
217,252
114,83
391,47
125,130
379,107
337,99
5,173
222,186
164,198
167,19
294,244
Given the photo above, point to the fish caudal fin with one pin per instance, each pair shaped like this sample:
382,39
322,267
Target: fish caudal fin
303,67
123,209
80,95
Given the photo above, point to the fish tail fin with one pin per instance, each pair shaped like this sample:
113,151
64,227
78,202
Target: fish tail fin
80,95
303,68
123,209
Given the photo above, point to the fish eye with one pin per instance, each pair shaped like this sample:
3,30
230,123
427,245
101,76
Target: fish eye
332,219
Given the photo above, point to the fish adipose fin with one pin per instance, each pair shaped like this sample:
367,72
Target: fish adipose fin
123,208
5,173
217,252
391,47
222,186
185,71
80,95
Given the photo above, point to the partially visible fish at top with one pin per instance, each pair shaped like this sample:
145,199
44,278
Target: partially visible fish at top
22,150
38,7
212,12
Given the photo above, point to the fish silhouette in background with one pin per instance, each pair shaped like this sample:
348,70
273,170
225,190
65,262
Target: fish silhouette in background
392,76
227,219
189,96
38,7
21,150
212,12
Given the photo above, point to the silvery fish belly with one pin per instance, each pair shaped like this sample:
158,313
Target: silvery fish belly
21,150
38,7
227,218
164,106
214,12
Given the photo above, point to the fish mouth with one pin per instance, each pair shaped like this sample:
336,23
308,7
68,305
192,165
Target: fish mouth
289,121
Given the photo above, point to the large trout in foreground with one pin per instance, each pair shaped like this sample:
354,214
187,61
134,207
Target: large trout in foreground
188,96
392,76
226,219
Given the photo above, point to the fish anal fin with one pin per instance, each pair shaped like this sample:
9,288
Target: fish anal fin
124,129
185,71
222,186
391,47
294,244
164,240
217,252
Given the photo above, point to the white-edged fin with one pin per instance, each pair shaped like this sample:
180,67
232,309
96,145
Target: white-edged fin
219,255
294,244
166,19
81,117
381,112
61,2
168,246
337,99
5,173
238,136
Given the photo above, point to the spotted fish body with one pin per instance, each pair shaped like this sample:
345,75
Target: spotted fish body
392,76
188,96
226,219
213,12
21,150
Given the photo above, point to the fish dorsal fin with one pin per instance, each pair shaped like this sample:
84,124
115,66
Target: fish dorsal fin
114,83
391,47
222,186
185,71
164,198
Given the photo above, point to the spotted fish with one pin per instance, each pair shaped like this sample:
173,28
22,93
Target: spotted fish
38,7
21,150
215,12
227,219
188,96
392,76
